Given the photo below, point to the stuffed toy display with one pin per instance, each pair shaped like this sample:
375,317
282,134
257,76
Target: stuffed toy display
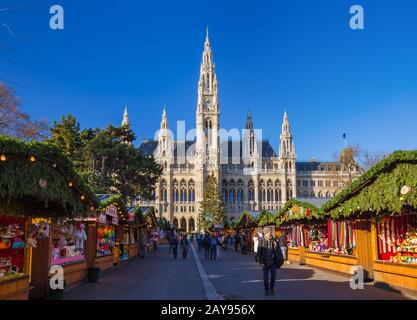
80,237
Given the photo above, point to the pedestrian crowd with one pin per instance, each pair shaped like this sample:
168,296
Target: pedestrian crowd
271,253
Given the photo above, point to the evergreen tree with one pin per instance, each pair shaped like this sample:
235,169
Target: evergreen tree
66,135
212,209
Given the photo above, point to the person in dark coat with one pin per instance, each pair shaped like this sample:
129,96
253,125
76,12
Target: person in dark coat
175,246
283,244
206,246
268,251
184,246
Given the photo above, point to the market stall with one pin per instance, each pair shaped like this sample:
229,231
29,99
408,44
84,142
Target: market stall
111,220
37,185
315,240
69,243
246,225
383,203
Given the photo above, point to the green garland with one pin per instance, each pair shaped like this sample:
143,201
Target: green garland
151,213
118,201
384,166
24,165
242,219
265,218
382,196
283,216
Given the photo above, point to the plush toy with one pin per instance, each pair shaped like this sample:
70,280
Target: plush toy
5,244
80,237
43,230
18,243
31,241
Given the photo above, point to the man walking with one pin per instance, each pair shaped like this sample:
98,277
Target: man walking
270,256
213,247
142,243
206,246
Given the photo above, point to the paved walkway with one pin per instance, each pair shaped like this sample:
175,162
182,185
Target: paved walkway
237,276
158,276
232,277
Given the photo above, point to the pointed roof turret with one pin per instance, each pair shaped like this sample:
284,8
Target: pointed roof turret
125,121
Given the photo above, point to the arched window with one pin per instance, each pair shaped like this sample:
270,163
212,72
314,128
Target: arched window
175,222
240,196
191,225
232,196
183,224
224,195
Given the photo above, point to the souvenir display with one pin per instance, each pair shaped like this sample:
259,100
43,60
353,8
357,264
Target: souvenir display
68,242
105,240
299,236
124,253
337,237
397,239
12,245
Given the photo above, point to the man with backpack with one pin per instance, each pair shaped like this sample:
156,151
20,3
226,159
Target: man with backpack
206,246
213,247
270,256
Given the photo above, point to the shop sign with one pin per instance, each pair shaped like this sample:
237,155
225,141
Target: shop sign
111,211
115,221
102,218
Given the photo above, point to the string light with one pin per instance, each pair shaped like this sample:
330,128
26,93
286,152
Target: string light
82,197
70,184
32,159
3,158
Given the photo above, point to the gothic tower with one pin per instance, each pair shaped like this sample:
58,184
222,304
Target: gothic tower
207,121
287,159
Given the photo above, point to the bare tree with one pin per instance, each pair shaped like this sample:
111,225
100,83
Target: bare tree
15,123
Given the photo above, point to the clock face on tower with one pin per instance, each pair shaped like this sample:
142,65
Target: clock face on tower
208,101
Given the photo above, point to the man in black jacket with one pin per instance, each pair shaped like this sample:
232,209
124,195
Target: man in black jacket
268,254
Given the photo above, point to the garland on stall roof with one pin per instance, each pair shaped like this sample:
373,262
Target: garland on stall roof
119,203
378,191
38,179
245,219
295,210
265,218
383,196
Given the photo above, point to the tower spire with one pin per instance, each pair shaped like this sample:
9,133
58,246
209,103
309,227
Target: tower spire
125,121
287,149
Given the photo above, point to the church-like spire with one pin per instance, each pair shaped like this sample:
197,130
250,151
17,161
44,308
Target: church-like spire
164,121
249,123
287,149
208,79
125,121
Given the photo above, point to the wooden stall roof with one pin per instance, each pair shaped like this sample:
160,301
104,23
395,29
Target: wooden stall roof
298,211
389,187
37,179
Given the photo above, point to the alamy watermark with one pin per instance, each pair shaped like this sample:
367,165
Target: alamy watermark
57,279
358,279
357,21
56,22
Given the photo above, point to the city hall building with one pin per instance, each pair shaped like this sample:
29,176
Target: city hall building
251,175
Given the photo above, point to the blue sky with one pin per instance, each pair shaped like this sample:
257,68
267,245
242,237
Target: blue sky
270,55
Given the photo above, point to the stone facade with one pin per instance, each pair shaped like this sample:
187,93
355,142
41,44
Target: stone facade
251,175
